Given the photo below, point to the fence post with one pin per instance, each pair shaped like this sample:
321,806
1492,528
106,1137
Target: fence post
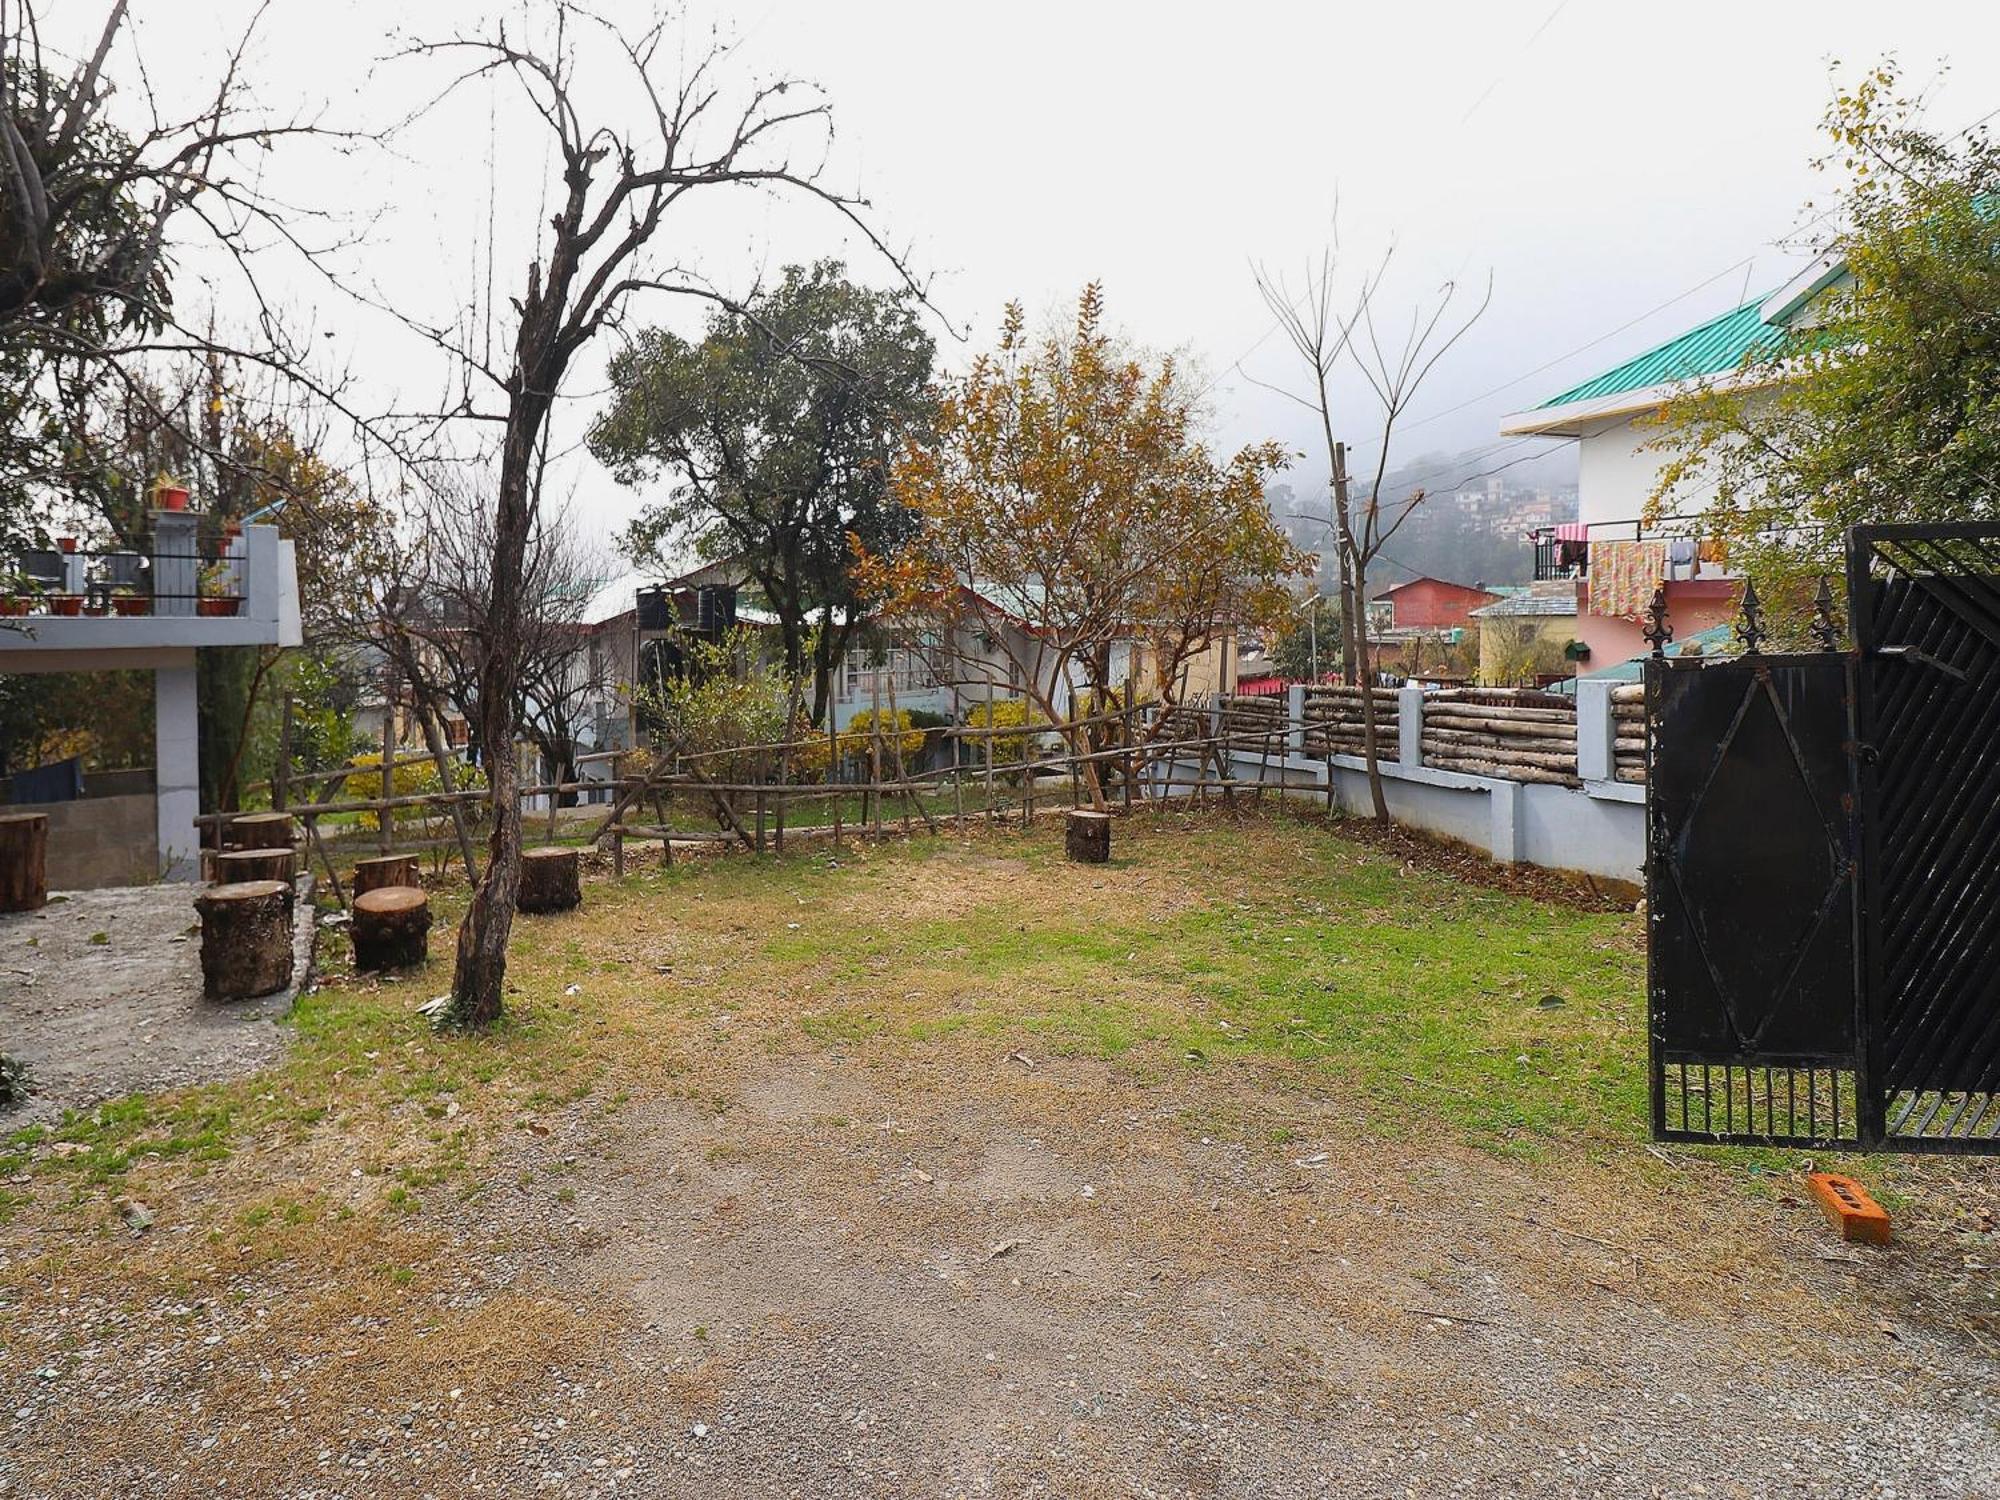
1295,719
1596,729
386,819
1410,724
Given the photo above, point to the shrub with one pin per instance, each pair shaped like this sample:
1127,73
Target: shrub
410,779
1005,713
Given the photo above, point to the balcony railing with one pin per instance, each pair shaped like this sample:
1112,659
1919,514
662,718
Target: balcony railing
1563,552
172,573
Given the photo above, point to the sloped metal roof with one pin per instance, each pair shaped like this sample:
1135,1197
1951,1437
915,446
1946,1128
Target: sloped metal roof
1714,348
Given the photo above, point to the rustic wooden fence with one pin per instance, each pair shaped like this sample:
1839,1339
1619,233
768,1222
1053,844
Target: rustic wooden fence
862,782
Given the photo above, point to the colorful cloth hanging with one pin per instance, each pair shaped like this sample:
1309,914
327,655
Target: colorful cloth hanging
1623,576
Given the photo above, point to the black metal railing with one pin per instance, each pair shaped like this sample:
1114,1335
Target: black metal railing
211,580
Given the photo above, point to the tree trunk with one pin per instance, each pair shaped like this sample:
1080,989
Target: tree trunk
383,872
236,866
246,939
1087,838
391,928
24,858
549,880
262,830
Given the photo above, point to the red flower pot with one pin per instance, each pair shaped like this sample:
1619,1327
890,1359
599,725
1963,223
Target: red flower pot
217,606
67,543
171,497
13,604
132,604
65,604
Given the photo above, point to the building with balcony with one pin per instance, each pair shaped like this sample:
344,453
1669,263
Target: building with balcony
151,608
1615,559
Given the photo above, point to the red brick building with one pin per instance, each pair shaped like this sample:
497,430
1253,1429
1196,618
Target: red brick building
1433,604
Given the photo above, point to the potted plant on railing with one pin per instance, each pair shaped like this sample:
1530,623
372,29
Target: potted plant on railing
169,494
127,600
213,601
16,594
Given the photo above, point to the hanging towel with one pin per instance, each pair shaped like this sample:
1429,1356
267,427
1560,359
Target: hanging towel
1680,551
1573,531
1623,576
1715,550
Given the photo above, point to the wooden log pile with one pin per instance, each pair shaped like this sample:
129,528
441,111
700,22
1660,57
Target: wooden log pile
1333,721
1628,749
1514,735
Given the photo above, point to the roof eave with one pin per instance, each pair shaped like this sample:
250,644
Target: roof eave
1574,418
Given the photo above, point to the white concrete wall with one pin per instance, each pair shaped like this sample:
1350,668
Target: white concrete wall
1596,829
1617,467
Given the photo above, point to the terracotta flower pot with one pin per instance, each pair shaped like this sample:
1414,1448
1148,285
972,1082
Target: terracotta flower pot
67,543
65,604
213,607
131,604
171,497
13,604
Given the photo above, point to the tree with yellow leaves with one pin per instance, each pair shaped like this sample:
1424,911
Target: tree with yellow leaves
1064,503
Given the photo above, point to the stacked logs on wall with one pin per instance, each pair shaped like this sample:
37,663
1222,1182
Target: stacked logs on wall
246,938
1628,720
1087,836
24,861
1333,721
257,830
549,881
390,928
383,871
1512,734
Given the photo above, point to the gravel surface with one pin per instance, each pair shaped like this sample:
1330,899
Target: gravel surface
100,994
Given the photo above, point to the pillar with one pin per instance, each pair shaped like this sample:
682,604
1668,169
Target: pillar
1295,719
1596,728
1410,724
177,769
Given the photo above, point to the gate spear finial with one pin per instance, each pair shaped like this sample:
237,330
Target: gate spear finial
1751,631
1657,631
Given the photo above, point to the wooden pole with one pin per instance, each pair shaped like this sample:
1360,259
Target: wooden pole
281,782
385,819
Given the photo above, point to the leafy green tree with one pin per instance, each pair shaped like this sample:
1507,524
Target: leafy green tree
775,433
1883,402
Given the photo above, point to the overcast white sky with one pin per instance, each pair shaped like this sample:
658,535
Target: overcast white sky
1598,158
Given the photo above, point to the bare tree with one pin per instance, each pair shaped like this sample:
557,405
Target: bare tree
1395,371
616,188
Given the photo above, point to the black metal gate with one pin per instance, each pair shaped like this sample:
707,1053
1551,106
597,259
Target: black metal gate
1751,900
1925,605
1823,870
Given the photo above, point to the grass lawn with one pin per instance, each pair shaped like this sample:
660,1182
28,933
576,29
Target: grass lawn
745,1108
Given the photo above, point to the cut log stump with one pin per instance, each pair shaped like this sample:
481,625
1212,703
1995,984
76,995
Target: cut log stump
259,830
383,871
24,861
1087,839
549,880
246,938
234,866
391,928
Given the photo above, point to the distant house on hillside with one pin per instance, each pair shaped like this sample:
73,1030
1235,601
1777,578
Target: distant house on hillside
1529,636
1433,603
1614,560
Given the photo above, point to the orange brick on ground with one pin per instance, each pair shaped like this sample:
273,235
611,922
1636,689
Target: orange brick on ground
1847,1203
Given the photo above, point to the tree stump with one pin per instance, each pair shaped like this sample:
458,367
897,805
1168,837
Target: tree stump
383,872
259,830
390,928
549,881
1087,839
246,938
235,865
24,861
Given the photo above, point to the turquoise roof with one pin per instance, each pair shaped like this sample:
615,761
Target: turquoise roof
1715,348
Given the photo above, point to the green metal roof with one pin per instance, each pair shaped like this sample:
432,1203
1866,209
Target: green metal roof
1715,348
